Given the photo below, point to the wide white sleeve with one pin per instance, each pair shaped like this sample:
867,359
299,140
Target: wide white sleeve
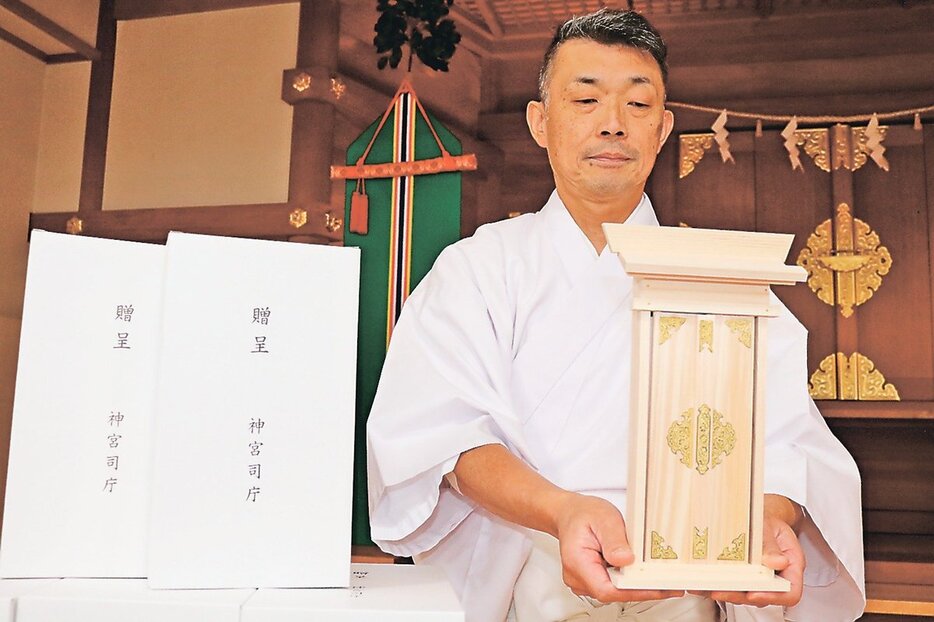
443,390
806,463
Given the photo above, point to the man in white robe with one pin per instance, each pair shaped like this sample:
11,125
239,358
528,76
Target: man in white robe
497,441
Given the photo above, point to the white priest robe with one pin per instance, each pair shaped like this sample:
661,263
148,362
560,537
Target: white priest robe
521,335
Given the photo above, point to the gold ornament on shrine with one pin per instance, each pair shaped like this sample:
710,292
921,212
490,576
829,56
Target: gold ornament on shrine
301,82
691,149
852,146
298,217
845,261
333,223
338,88
853,377
74,225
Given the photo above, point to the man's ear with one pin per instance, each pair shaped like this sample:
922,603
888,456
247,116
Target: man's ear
535,118
668,124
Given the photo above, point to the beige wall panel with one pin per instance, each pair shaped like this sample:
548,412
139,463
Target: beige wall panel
196,117
20,106
61,137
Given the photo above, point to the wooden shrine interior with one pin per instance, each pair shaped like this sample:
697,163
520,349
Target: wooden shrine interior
768,56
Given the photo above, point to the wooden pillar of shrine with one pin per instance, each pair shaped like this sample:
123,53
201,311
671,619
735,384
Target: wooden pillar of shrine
313,90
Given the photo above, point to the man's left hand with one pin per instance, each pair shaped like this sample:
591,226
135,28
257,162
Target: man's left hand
782,553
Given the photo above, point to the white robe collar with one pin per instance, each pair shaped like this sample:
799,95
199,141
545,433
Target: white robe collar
577,253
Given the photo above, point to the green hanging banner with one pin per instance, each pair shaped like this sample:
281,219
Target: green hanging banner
402,206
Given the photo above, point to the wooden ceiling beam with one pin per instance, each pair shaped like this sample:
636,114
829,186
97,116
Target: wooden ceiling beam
59,59
24,46
475,38
49,27
142,9
268,221
490,18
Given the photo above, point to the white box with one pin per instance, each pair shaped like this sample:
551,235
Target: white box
378,593
257,386
13,589
80,454
127,600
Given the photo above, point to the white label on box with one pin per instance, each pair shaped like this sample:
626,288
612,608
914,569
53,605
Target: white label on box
80,454
377,593
122,600
254,435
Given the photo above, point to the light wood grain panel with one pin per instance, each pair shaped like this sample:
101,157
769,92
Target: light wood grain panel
725,383
669,493
696,377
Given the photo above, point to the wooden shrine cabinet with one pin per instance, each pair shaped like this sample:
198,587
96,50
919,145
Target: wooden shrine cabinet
701,303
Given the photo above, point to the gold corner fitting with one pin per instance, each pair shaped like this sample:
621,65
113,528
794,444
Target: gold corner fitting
301,82
853,377
691,150
736,551
742,328
74,225
332,223
660,550
816,144
298,217
667,326
845,261
338,87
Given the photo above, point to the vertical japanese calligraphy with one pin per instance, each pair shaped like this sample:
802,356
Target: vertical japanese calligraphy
261,317
123,315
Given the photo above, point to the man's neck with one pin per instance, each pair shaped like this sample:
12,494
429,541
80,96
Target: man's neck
590,214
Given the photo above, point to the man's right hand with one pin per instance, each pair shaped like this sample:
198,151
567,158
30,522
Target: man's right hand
590,530
592,536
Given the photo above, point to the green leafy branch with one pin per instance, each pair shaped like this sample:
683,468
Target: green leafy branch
422,24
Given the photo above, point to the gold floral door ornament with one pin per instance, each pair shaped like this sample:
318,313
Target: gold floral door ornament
853,377
701,442
845,261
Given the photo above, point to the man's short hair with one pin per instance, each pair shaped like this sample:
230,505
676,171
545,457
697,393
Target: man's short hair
609,27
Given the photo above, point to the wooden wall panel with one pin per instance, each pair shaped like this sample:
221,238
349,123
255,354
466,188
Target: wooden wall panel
895,324
795,201
720,195
891,456
928,134
662,184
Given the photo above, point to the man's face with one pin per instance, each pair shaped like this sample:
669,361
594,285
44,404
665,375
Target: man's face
604,120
